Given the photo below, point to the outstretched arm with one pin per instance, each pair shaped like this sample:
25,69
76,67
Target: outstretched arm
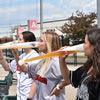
3,62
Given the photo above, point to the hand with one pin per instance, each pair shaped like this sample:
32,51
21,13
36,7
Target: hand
63,47
0,49
66,54
56,92
1,55
14,51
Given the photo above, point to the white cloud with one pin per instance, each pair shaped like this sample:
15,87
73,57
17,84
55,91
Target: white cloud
19,14
57,16
60,2
4,1
81,5
52,12
90,7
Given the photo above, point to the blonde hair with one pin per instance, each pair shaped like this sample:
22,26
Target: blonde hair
53,43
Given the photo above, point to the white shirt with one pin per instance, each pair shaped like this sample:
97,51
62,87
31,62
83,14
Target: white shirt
48,82
23,81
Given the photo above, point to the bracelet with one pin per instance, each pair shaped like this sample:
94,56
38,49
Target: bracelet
57,87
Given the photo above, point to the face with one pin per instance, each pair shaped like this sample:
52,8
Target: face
20,39
42,44
88,48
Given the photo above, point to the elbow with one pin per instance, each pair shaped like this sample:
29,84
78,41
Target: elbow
7,69
67,82
67,79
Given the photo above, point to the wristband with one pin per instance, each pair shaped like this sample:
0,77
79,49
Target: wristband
57,87
20,62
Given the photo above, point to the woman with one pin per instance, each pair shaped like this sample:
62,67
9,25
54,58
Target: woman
23,81
47,73
87,77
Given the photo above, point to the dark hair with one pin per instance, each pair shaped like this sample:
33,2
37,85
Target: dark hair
93,36
94,39
28,36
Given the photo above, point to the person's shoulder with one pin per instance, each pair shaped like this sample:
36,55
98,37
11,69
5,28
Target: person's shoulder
55,61
79,71
34,53
79,68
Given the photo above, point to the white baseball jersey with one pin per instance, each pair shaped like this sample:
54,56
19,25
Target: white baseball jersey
23,81
46,84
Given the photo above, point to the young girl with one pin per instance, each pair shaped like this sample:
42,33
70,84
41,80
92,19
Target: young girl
87,77
47,75
23,81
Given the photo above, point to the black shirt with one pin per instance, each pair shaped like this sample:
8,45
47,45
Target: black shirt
87,90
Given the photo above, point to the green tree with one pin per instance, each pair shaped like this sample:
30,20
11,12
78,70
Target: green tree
78,24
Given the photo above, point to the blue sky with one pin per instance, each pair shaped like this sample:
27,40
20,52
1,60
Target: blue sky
16,12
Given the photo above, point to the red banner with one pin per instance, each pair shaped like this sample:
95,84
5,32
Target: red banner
20,30
32,24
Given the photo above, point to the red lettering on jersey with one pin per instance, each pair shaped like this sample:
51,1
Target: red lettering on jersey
42,80
45,80
18,69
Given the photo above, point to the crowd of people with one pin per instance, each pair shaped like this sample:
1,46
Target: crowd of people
46,79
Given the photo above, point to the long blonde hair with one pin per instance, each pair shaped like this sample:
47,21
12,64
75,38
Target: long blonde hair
53,43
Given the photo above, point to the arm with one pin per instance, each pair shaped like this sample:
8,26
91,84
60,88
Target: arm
17,58
64,70
32,91
57,89
3,62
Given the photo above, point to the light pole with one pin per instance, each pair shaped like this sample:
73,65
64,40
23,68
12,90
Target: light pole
41,17
98,13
